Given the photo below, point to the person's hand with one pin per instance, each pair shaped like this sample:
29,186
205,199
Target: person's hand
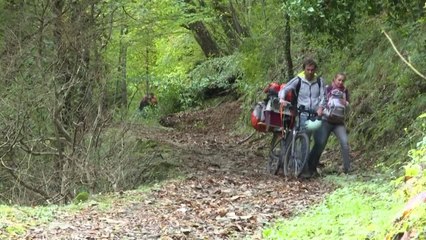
283,102
319,111
347,103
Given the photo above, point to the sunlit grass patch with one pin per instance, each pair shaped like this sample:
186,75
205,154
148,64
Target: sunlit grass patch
15,221
357,210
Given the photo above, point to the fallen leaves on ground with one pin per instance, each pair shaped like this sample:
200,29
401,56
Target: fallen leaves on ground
227,193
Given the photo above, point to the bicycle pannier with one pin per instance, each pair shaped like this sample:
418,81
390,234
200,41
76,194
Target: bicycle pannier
258,117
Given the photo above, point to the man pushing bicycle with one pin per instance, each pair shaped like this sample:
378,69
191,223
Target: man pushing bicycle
310,92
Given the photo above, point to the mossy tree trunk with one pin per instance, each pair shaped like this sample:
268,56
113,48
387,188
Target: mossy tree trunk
201,33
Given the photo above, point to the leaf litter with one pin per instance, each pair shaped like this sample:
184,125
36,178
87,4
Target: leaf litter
227,193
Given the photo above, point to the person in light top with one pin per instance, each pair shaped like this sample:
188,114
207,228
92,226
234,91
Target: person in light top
311,94
336,95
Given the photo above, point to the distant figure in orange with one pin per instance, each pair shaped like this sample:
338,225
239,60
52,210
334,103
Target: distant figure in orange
148,100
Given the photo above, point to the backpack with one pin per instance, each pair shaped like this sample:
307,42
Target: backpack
336,106
293,95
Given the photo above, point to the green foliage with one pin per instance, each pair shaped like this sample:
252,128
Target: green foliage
81,197
15,221
411,185
177,90
358,210
400,12
365,210
210,78
16,229
385,94
170,95
335,19
415,170
176,56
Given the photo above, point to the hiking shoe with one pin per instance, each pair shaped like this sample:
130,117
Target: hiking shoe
348,171
315,174
306,174
321,165
309,174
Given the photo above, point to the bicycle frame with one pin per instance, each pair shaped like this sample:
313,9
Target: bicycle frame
296,132
301,109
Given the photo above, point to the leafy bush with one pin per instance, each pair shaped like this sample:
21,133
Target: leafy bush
210,78
169,94
412,219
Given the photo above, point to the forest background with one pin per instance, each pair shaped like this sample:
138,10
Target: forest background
73,73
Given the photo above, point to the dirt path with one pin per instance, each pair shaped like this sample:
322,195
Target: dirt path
227,193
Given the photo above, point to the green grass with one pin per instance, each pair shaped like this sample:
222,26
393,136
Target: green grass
14,220
357,210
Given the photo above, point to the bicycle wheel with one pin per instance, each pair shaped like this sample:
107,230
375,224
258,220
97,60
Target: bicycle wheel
274,155
296,155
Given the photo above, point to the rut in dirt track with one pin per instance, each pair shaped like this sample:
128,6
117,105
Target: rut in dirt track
227,193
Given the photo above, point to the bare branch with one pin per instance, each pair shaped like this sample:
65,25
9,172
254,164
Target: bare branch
30,151
25,185
402,57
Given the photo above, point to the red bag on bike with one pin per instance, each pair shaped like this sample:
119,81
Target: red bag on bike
258,117
266,115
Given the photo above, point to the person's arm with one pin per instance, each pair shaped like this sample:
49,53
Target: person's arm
291,85
323,98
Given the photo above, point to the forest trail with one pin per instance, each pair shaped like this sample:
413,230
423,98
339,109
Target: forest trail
226,194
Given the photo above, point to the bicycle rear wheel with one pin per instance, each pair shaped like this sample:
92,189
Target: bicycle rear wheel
296,156
274,155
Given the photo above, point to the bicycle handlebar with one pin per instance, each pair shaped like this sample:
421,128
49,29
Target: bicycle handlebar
312,114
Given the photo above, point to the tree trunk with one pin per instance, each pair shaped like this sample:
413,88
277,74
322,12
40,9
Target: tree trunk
204,39
227,25
63,77
242,31
122,68
202,35
147,70
287,47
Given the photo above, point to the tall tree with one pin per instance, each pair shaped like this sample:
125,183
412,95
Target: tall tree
287,46
230,23
201,33
122,68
